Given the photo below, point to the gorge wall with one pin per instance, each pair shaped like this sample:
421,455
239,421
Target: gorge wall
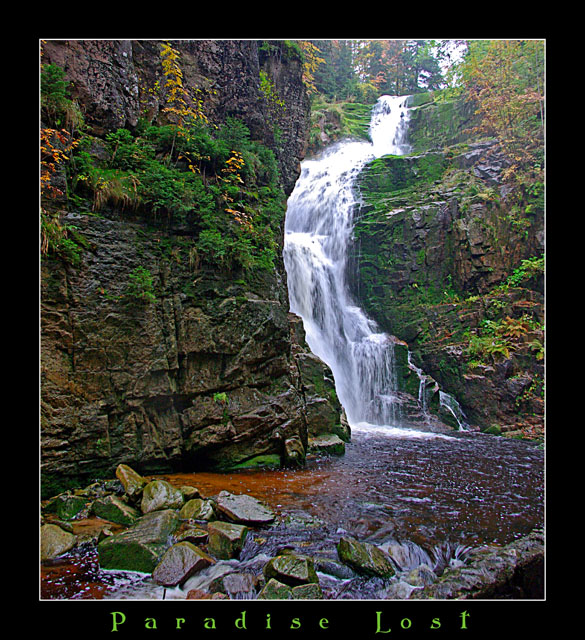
213,372
449,258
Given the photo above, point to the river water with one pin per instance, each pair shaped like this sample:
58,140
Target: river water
436,494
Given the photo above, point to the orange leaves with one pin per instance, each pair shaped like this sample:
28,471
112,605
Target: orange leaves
55,145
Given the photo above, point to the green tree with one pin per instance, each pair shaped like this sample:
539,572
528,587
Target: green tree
505,80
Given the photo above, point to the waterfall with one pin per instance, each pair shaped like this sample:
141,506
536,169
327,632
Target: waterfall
318,229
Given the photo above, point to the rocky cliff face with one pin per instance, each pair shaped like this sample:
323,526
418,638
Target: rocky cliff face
118,82
210,372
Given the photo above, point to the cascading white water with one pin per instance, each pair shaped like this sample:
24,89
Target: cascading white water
319,223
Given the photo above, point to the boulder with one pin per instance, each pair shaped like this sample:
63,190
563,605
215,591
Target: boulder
275,590
55,541
328,444
67,506
179,562
238,586
196,535
132,482
226,539
294,452
140,547
197,509
189,492
310,591
291,569
244,509
160,494
114,509
365,558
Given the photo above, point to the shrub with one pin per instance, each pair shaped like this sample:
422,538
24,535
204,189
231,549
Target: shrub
140,287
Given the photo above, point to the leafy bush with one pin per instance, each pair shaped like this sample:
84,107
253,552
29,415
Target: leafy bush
140,287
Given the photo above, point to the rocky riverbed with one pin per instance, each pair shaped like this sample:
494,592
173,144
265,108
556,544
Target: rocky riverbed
135,537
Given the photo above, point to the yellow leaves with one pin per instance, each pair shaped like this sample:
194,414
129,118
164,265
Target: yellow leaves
241,217
177,97
311,63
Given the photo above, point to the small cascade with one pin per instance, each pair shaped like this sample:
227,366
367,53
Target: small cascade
449,403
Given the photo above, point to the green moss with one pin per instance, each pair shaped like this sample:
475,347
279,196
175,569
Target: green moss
266,460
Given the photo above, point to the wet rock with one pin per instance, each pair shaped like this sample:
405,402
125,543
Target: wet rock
275,590
226,539
327,444
55,542
514,571
238,586
399,591
67,506
132,481
307,592
179,563
200,594
140,547
196,535
333,568
160,494
291,569
197,509
420,576
294,452
244,509
114,509
189,493
365,558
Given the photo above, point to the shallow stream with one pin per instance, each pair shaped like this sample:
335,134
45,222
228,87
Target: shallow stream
433,493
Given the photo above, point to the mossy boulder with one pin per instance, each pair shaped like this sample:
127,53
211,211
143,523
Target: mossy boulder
365,558
197,509
226,539
140,547
114,509
310,591
67,506
196,535
327,444
132,481
291,569
275,590
160,494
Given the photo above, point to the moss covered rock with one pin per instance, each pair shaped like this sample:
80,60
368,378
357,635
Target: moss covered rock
197,509
114,509
160,494
365,558
275,590
140,547
132,481
291,569
327,444
226,539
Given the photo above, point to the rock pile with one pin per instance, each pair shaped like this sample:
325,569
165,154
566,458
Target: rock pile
175,534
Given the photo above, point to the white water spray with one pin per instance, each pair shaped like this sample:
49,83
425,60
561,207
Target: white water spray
319,224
